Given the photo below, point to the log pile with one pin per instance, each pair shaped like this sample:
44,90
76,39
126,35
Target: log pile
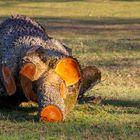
37,67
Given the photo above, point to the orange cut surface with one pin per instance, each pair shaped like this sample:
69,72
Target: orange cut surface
28,70
68,69
27,88
9,81
51,113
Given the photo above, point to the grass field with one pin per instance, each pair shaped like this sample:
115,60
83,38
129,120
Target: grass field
104,33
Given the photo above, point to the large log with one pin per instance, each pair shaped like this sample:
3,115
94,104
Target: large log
40,68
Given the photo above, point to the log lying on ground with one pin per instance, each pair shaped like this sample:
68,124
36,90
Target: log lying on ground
40,68
91,76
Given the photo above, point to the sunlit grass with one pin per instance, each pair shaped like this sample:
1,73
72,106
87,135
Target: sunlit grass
68,8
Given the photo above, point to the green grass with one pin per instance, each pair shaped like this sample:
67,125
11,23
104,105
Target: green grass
101,33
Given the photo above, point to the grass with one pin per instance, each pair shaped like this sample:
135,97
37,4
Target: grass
102,33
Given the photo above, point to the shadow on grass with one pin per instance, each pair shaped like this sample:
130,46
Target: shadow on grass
11,109
115,102
19,114
121,103
22,114
86,25
77,127
90,99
